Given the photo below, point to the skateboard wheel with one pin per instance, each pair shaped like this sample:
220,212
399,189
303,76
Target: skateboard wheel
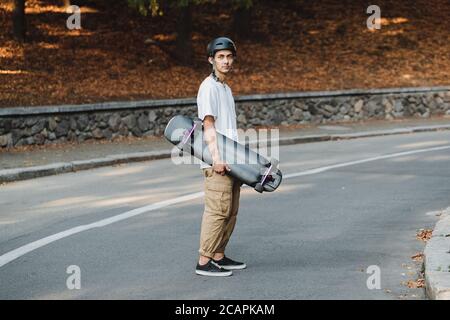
259,187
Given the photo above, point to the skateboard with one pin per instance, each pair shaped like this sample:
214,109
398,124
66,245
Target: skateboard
246,165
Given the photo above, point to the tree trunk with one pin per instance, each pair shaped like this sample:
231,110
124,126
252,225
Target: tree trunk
19,22
242,22
184,50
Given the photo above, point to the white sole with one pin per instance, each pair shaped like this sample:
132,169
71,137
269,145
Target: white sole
234,267
213,274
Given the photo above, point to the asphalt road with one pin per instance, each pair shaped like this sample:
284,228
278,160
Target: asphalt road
313,238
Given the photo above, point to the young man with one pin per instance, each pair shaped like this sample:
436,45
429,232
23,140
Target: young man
217,110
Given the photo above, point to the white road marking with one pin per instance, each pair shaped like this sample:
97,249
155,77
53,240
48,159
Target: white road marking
17,253
14,254
351,163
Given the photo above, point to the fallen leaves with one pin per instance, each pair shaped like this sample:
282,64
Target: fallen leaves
424,235
415,284
418,257
288,53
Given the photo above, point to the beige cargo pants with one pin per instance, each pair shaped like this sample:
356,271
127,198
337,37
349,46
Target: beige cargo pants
221,208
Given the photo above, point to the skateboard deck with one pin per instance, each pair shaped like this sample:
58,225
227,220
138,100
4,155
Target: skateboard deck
246,165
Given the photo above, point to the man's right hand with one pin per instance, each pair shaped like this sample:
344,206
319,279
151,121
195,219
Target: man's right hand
221,167
210,137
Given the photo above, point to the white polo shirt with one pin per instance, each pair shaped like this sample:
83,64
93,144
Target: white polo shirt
216,99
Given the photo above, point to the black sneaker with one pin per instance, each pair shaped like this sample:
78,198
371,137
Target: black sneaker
212,269
229,264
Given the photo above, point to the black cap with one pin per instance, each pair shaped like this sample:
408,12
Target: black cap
221,43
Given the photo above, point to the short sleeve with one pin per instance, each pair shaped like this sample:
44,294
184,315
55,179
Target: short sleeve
207,102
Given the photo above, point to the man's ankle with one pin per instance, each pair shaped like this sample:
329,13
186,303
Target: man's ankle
218,256
203,260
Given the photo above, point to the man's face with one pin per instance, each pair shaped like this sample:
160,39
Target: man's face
223,60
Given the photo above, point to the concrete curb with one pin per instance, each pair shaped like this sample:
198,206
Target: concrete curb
10,175
16,174
437,260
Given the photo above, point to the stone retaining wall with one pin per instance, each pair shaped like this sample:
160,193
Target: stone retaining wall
49,125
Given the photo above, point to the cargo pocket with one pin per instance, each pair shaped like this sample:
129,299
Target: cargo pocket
218,198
